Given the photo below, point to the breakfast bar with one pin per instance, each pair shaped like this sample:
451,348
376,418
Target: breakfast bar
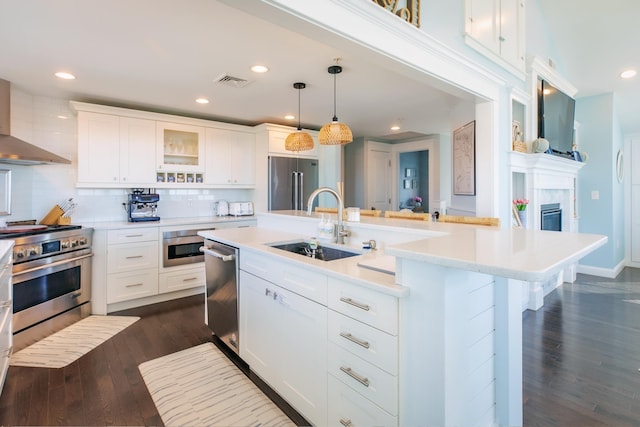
455,325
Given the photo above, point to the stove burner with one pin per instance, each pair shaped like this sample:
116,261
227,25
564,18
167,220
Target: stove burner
13,231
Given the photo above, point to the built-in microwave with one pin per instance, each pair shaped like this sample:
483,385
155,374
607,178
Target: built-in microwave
182,247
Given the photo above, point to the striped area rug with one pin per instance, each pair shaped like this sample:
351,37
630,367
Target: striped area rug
69,344
200,386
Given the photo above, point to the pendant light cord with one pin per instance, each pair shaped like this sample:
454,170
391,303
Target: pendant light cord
335,116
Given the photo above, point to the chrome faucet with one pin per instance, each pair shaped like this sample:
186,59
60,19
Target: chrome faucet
340,232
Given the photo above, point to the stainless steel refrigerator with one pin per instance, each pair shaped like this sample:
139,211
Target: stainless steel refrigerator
291,181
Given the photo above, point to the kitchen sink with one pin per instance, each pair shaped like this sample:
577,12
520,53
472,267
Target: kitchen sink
324,253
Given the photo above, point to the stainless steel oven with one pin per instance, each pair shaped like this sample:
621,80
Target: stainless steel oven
51,283
182,247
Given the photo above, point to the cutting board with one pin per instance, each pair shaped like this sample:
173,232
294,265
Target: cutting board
383,264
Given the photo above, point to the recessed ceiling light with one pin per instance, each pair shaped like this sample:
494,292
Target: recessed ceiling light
290,117
259,69
202,100
395,127
627,74
64,75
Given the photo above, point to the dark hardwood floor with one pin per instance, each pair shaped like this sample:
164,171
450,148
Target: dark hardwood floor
581,363
104,387
582,354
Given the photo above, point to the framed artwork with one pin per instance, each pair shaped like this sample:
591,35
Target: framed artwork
409,172
407,184
464,160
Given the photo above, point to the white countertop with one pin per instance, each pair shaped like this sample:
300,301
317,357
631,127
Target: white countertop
163,222
258,239
514,253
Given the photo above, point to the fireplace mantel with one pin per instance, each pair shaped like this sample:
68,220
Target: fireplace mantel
542,162
543,179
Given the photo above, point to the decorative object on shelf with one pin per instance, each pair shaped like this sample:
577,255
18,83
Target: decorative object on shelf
540,145
520,206
298,140
335,133
464,160
620,165
517,143
409,13
417,201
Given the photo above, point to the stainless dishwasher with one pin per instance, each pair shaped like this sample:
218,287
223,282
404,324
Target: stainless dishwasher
221,270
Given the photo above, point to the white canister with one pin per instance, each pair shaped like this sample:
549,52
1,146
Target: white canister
353,214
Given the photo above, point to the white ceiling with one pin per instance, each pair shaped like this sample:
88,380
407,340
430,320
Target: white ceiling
595,42
162,54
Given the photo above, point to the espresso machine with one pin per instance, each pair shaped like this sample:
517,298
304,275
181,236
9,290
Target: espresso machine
143,206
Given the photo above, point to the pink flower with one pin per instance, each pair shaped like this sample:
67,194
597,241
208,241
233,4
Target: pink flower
521,204
417,199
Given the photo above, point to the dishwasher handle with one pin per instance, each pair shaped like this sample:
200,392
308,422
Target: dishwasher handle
223,257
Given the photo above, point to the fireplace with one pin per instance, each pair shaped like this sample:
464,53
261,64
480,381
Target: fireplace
551,217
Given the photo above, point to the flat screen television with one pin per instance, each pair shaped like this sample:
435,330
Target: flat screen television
556,115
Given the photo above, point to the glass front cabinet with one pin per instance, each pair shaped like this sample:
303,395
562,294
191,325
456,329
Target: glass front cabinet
180,153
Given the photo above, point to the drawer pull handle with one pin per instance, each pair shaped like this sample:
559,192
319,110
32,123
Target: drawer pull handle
5,304
190,279
360,305
353,339
362,380
134,256
346,423
134,235
133,285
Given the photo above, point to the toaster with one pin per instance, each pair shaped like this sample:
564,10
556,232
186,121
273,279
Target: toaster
240,208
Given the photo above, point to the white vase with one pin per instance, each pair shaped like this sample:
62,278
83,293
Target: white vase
523,218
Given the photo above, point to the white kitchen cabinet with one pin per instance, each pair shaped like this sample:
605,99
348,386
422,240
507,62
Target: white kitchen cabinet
115,150
496,29
230,158
363,362
132,264
180,147
284,339
193,277
6,313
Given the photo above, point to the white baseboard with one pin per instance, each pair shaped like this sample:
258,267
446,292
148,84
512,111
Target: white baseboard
610,273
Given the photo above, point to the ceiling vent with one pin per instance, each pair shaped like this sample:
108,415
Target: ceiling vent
232,81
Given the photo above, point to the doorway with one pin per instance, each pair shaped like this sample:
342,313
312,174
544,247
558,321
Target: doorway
413,180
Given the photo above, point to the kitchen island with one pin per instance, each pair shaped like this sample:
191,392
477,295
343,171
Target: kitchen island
454,323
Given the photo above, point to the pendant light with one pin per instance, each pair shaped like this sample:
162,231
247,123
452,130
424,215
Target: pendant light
298,141
335,133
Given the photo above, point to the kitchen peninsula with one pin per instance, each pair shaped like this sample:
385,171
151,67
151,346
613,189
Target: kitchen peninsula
437,343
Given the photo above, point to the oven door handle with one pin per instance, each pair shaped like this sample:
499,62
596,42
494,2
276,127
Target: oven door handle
53,264
223,257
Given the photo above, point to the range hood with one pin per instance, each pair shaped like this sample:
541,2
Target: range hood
16,151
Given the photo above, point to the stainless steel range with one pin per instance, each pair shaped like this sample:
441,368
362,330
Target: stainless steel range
51,279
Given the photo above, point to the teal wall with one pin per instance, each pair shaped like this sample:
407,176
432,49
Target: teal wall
600,136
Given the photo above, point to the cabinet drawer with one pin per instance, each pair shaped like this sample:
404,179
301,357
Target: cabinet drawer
373,345
309,284
132,235
372,382
127,286
347,407
368,306
132,256
185,279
